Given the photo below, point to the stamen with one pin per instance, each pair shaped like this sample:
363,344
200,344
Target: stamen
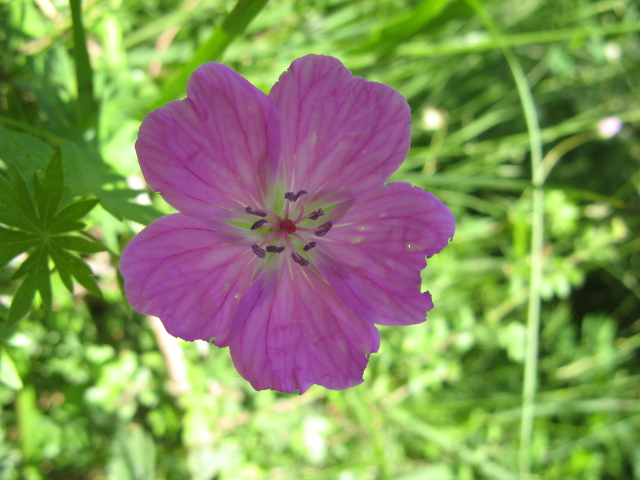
250,211
299,194
258,251
293,197
316,214
299,260
284,229
258,224
324,229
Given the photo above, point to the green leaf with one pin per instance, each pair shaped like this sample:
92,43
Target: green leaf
49,196
72,264
43,276
78,244
133,455
10,237
14,242
87,105
64,273
28,153
10,211
21,200
88,175
9,375
35,269
117,204
14,220
28,266
407,24
232,26
66,219
23,299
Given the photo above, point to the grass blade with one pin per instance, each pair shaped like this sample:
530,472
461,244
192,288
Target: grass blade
87,106
233,25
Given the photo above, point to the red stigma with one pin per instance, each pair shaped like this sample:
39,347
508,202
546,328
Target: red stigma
288,226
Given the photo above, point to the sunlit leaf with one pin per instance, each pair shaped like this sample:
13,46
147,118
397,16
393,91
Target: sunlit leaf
66,219
14,242
75,267
51,197
22,197
10,211
78,244
37,231
133,455
9,375
23,298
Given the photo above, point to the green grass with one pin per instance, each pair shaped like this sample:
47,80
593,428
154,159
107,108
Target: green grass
528,365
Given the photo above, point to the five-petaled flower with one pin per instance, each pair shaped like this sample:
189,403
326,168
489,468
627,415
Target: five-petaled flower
288,247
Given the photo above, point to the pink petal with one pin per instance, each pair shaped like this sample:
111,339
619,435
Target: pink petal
218,147
341,135
291,332
189,272
374,253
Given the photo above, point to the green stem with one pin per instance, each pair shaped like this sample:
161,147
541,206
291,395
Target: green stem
232,26
87,106
35,131
552,157
537,243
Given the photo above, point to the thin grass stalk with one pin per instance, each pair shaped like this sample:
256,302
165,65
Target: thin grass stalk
530,381
87,105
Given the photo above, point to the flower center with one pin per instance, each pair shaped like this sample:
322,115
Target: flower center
288,226
281,231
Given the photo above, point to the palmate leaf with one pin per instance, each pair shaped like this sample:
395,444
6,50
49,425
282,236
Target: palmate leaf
67,219
74,266
36,223
49,193
14,242
86,175
10,210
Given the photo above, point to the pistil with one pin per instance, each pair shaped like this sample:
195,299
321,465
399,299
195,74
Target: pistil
284,228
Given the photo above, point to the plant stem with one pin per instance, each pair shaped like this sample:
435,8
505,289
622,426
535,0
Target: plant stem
87,105
530,381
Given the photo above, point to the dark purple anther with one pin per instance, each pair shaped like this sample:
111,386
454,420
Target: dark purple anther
258,224
299,194
258,251
316,214
323,229
272,249
293,197
250,211
299,260
309,246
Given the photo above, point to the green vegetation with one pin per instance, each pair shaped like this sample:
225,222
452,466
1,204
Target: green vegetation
528,365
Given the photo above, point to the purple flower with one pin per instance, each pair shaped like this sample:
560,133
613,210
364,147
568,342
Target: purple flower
609,127
288,247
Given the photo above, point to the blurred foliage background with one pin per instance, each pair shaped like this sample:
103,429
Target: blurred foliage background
506,96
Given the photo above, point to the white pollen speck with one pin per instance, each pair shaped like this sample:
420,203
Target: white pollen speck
356,240
237,296
410,246
362,229
382,215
